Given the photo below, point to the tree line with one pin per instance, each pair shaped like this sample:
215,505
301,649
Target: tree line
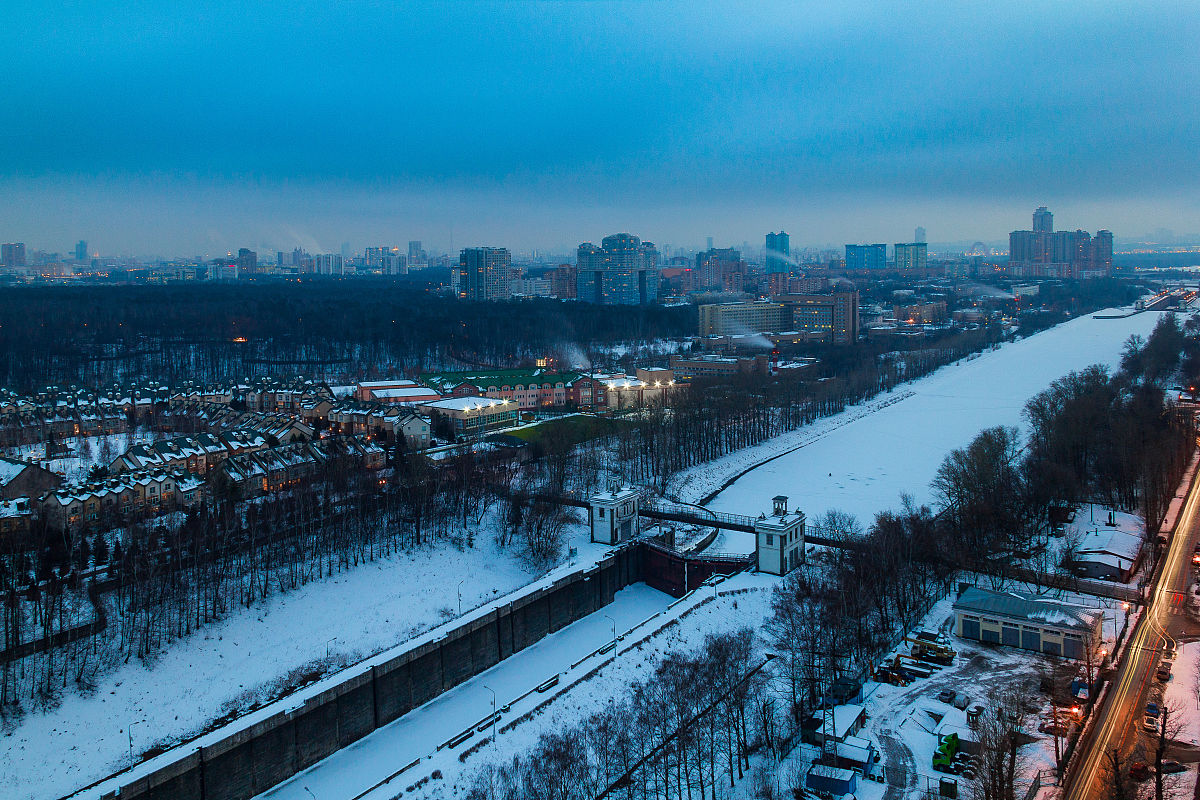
97,335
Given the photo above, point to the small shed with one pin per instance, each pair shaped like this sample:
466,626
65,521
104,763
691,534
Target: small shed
613,514
837,781
840,721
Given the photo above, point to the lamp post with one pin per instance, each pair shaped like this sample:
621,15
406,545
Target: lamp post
460,583
129,731
493,712
614,624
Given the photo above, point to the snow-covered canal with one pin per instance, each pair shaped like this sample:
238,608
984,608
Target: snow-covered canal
863,465
417,734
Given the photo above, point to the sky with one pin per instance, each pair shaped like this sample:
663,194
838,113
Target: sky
189,128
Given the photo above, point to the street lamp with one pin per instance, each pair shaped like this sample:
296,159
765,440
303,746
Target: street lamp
614,624
129,731
460,583
493,711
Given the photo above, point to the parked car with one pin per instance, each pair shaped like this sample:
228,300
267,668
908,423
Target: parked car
1152,710
1170,767
1163,674
1150,724
1139,771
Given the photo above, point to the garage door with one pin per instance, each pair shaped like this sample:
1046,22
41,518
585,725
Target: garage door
1011,636
970,628
1031,640
1051,648
990,636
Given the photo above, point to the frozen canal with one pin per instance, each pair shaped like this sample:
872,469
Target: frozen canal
863,465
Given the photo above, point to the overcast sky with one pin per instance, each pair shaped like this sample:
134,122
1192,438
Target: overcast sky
198,127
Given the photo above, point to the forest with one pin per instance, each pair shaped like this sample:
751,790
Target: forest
97,335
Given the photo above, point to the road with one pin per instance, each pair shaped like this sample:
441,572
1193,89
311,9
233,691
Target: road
1120,713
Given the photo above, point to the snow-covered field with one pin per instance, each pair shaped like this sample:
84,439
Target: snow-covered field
351,615
862,460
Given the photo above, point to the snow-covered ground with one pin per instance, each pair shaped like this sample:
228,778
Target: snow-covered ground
83,452
352,615
862,460
741,600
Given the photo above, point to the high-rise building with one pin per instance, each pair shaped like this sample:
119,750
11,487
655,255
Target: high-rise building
779,251
866,256
12,254
1102,251
415,254
279,259
737,319
395,262
623,270
708,243
717,269
81,253
328,264
912,256
298,256
247,261
1043,221
919,235
484,273
1046,253
564,281
388,260
833,317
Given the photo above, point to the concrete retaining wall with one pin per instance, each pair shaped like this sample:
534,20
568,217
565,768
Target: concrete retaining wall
252,760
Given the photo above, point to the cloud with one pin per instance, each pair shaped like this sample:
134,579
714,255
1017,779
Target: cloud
654,110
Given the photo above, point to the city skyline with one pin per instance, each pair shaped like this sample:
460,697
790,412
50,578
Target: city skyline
513,124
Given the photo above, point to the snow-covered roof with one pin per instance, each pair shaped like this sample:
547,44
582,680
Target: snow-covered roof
386,384
10,469
405,392
470,404
844,718
1027,607
1123,539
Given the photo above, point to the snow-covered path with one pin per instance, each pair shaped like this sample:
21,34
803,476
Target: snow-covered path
864,465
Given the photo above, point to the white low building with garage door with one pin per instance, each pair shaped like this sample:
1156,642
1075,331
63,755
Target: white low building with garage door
1028,621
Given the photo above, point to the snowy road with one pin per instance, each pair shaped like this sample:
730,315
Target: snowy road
865,465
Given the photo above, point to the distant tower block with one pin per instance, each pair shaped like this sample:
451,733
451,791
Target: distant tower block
613,514
780,545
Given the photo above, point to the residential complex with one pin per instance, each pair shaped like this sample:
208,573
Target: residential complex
866,257
484,273
913,256
1046,253
623,270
